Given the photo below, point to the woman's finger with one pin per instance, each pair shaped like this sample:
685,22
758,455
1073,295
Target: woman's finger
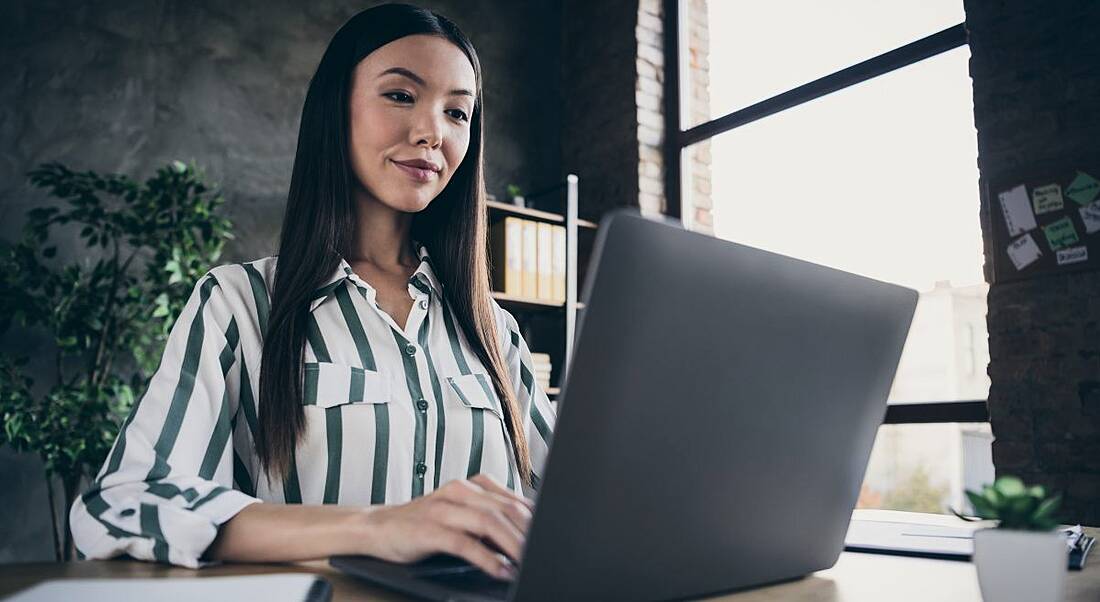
490,484
488,523
458,543
482,491
517,512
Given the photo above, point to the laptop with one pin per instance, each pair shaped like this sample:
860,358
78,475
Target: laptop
713,428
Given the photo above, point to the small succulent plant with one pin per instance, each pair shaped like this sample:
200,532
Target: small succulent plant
1014,505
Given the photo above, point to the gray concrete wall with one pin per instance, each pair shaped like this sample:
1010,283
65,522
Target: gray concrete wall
128,85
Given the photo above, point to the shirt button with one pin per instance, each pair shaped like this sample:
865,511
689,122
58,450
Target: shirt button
422,405
421,468
410,349
423,304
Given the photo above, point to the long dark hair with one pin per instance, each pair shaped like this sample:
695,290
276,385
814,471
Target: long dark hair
318,228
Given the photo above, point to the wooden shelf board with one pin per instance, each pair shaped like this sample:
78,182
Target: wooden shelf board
553,391
526,302
537,214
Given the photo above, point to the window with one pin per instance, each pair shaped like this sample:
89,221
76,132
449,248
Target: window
842,133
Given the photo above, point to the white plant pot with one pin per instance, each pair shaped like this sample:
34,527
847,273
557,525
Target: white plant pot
1024,566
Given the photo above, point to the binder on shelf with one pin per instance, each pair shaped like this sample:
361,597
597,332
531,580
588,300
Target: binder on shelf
557,268
541,367
545,261
530,259
506,246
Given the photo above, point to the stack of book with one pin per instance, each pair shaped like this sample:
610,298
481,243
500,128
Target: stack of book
528,259
541,366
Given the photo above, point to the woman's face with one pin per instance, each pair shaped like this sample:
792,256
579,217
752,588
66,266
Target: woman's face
411,100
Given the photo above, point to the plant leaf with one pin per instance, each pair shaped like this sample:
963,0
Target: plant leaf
1009,486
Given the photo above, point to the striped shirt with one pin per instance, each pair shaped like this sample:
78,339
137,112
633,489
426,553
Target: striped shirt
391,413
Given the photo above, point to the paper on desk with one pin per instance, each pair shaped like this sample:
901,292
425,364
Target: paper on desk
1017,211
276,587
925,538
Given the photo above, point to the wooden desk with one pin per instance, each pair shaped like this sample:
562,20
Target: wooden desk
855,578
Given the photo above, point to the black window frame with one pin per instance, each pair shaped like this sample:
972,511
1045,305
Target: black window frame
678,139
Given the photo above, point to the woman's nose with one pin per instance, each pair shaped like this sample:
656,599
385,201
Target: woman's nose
427,129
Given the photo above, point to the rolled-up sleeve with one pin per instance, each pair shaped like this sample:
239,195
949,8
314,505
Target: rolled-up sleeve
167,484
538,414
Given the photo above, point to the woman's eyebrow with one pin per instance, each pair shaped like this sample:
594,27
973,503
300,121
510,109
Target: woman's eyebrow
420,80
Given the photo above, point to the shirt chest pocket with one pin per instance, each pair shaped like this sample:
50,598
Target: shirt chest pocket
472,391
330,384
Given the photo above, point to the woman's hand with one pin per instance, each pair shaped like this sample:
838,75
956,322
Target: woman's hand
465,518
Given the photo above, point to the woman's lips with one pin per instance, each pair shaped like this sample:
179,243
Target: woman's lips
420,175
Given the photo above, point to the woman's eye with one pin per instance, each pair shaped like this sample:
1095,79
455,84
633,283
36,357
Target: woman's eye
398,96
404,98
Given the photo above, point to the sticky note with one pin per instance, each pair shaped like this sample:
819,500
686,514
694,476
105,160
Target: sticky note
1083,188
1023,251
1045,199
1017,211
1061,234
1073,255
1090,216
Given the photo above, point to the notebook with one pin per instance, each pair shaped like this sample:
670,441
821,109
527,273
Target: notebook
938,539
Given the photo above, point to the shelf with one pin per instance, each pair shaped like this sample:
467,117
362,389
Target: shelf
525,302
553,391
529,303
535,214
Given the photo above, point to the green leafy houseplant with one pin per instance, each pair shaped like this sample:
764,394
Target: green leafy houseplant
1014,505
108,313
515,193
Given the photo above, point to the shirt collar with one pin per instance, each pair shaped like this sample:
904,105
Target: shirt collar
423,280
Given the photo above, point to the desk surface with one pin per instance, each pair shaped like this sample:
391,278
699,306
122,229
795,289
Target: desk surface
854,578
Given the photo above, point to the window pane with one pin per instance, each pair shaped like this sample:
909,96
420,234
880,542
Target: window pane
926,467
751,51
879,179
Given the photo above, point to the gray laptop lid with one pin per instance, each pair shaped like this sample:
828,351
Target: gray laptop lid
716,424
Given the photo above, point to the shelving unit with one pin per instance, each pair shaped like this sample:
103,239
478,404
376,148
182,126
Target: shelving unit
547,326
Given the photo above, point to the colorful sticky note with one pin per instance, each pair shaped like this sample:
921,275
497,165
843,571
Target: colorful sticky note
1046,199
1061,234
1073,255
1090,216
1083,189
1017,211
1023,251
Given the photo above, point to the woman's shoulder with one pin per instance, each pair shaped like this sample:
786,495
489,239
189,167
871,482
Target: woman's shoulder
506,324
245,279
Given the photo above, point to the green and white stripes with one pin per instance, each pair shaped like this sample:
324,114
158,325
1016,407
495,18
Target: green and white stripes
393,411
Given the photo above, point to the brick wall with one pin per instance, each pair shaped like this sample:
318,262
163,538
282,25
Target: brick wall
649,94
1036,93
616,145
698,206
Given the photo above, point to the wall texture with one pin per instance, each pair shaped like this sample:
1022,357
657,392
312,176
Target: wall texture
1036,92
129,85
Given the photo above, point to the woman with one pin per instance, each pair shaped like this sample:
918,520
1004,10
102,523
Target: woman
366,382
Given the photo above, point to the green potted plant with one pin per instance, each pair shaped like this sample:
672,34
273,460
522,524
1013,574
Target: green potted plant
516,194
1024,557
107,313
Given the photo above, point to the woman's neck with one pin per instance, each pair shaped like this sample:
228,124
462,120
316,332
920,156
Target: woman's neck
383,236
